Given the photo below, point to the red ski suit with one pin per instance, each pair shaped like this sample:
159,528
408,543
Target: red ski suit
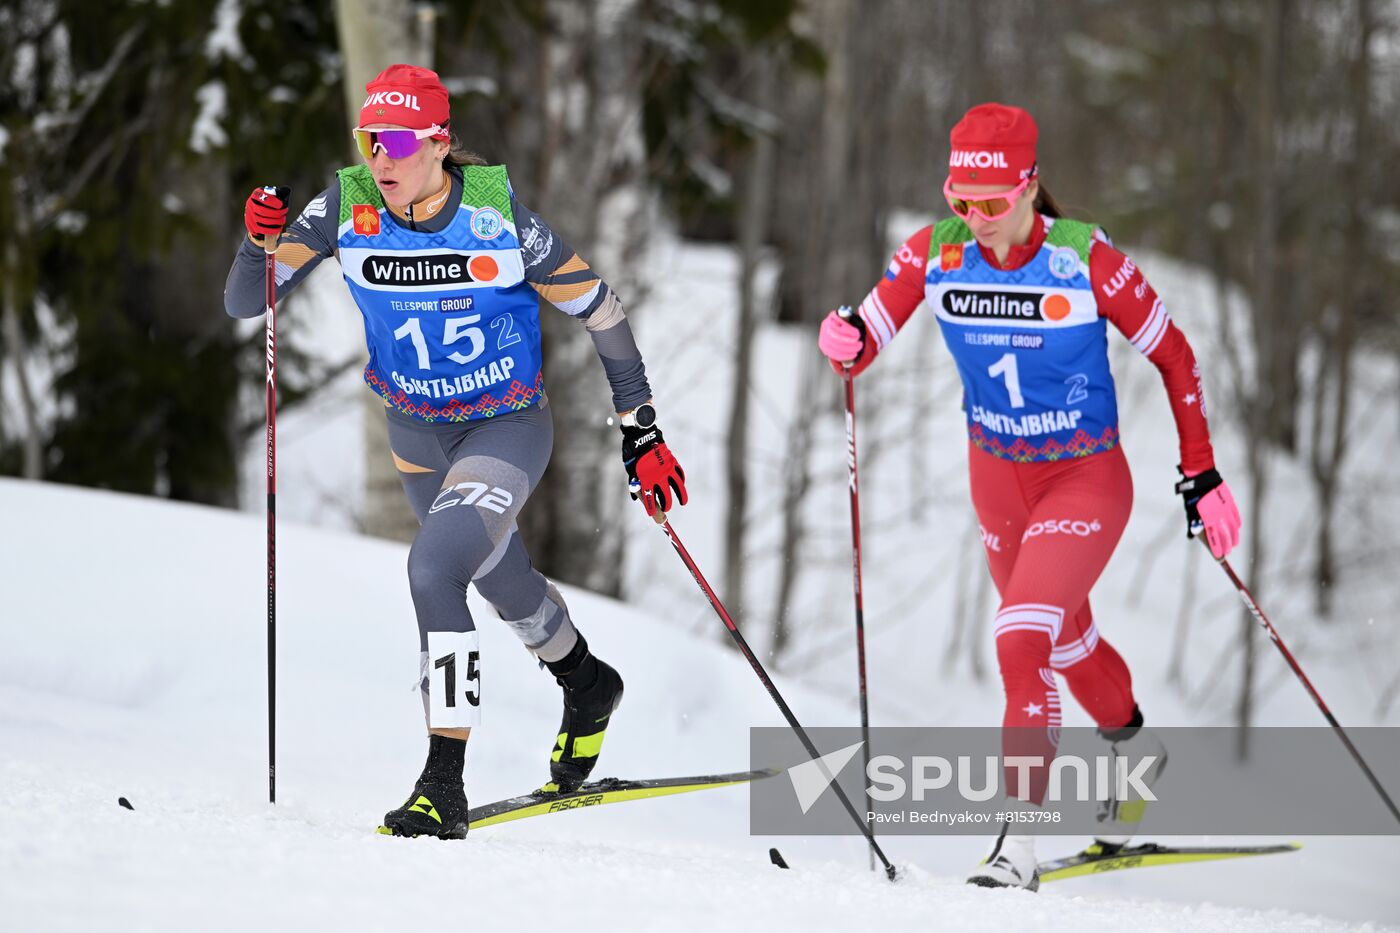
1049,527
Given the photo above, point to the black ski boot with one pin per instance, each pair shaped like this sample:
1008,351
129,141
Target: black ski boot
438,804
592,690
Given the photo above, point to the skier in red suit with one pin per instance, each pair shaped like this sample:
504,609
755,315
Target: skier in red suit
1023,297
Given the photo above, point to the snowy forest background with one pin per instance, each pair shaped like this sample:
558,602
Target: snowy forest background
735,168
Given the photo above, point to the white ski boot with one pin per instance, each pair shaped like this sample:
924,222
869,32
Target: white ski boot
1118,819
1012,864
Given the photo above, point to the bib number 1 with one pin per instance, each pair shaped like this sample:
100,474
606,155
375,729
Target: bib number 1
1006,366
454,679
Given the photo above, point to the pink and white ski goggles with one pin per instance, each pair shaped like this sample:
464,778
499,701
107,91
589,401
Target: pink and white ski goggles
993,206
394,143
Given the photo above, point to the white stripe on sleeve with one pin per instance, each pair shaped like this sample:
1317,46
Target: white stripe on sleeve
1152,330
884,314
875,322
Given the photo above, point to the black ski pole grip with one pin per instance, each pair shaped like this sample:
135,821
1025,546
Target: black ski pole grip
848,315
284,194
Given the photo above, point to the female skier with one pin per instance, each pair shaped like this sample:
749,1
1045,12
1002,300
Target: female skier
447,268
1022,296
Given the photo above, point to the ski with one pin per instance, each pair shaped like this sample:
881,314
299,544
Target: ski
598,793
1092,862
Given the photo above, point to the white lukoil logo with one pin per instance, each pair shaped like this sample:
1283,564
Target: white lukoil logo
991,541
972,158
392,99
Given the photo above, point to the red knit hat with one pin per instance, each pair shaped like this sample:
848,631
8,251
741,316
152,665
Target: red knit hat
406,95
993,144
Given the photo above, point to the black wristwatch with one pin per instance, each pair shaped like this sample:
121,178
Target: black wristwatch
643,416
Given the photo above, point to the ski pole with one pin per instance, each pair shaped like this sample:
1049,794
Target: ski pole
1293,663
270,282
854,486
660,518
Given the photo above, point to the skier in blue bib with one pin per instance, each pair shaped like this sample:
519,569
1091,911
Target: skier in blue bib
447,269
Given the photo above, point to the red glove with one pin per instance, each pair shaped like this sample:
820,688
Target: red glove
652,471
266,212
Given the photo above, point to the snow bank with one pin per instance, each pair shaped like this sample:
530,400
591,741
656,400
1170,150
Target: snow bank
131,664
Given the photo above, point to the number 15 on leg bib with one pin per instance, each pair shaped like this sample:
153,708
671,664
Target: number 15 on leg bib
454,680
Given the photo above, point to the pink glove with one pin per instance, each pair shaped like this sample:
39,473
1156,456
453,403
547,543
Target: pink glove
1221,518
1210,508
841,341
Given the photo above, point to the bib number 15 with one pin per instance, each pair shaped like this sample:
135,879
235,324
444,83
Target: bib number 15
1006,367
453,330
454,680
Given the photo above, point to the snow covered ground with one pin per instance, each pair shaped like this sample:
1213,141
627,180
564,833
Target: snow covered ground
922,566
131,664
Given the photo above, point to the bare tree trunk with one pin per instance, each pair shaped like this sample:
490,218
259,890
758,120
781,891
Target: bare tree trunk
917,424
964,611
591,164
753,228
19,358
797,480
981,610
835,143
1387,697
1176,668
425,32
837,255
1329,447
19,236
1268,340
1258,496
373,35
